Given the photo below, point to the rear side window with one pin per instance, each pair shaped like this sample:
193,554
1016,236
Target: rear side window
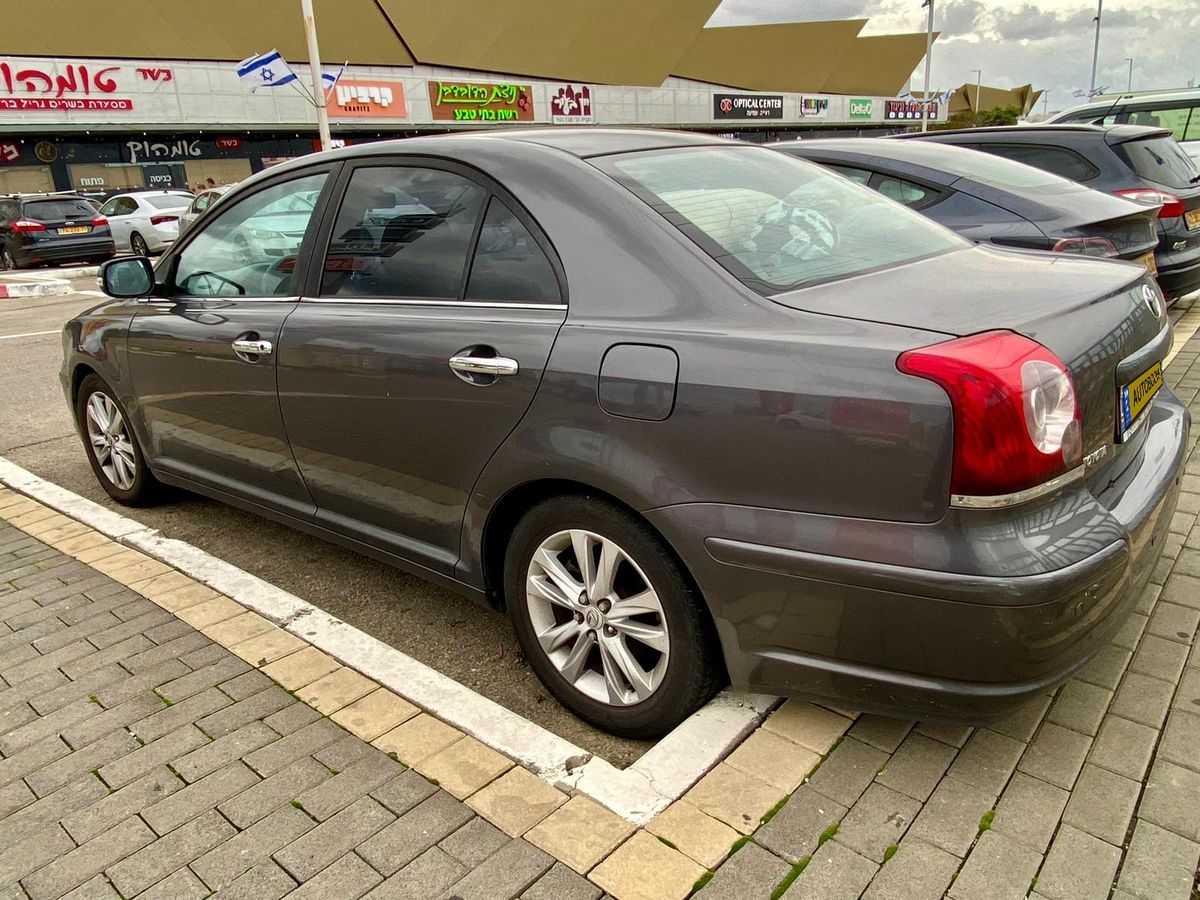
402,232
774,222
904,191
1161,161
56,210
861,176
1056,160
509,266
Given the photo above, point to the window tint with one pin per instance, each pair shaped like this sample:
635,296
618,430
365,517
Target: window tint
245,249
862,176
1160,160
509,266
1175,119
903,191
54,210
775,222
402,232
1056,160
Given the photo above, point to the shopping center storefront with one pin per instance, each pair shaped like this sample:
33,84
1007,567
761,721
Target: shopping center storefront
99,125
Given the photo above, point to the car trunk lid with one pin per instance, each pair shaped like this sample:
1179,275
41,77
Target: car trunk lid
1093,315
60,215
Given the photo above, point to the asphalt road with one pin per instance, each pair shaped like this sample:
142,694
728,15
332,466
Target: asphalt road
467,642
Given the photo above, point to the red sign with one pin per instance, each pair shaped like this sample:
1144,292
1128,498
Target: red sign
155,74
71,89
229,143
9,152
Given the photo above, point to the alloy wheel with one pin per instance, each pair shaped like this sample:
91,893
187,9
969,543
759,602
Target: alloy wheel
110,441
138,244
597,617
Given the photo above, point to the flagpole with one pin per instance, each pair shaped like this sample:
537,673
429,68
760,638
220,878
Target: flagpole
314,65
1095,50
928,63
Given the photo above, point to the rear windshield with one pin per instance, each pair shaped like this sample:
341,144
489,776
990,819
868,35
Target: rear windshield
55,210
775,222
168,201
998,171
1160,160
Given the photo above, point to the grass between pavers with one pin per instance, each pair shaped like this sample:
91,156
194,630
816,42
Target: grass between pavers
985,821
828,833
891,851
773,811
781,888
739,844
702,881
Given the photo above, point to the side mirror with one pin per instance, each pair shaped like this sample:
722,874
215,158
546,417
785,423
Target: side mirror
126,278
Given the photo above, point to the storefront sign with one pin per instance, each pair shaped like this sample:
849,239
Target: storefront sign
814,107
156,73
468,102
144,150
907,109
747,106
229,143
75,87
367,99
571,105
861,107
10,151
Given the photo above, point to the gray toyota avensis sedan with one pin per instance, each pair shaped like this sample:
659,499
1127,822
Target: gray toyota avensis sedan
692,411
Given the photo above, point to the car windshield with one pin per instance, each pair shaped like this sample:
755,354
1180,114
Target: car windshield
1162,161
54,210
774,222
167,201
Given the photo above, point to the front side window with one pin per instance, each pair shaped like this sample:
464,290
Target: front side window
250,247
404,232
774,222
509,266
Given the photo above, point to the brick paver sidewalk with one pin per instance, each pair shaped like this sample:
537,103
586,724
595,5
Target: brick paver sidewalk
159,740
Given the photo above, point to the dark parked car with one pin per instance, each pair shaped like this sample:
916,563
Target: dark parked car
990,199
51,228
1142,164
691,410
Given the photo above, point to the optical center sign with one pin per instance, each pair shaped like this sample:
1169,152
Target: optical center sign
464,101
747,106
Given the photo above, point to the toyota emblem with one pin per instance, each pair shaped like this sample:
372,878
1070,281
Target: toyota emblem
1151,298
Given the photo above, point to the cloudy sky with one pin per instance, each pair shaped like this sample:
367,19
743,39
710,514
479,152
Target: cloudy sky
1048,42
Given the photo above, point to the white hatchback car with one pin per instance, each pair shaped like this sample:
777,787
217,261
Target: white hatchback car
145,222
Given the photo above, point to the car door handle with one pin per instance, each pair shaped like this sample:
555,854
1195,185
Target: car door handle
484,365
252,347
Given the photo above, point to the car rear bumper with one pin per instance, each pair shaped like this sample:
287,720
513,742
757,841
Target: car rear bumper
55,251
1180,279
961,619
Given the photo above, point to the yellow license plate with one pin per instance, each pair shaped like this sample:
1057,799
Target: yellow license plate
1192,218
1136,396
1147,260
74,229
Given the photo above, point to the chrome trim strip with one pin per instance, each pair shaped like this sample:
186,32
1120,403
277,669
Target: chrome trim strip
1003,501
459,304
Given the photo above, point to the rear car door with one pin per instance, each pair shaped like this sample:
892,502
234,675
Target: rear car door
415,351
203,356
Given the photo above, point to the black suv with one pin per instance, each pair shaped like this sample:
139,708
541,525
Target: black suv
51,228
1143,164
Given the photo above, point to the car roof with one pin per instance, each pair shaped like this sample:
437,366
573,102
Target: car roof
1130,99
920,153
1116,133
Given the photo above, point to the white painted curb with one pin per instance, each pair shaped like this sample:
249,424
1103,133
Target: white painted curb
637,793
12,290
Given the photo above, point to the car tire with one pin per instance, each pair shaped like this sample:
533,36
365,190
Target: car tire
8,261
138,245
113,450
588,667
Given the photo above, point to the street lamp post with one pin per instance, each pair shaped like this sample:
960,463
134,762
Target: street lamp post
314,65
928,63
1095,50
1129,84
978,87
1046,100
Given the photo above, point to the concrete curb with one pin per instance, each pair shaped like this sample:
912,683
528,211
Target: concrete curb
41,288
636,794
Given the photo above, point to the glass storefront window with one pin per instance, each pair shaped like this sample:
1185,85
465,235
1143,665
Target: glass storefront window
105,177
25,179
221,171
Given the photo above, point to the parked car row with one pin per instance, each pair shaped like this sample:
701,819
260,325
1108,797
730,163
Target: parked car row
694,412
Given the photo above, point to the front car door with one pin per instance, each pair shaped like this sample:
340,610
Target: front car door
120,212
415,351
203,356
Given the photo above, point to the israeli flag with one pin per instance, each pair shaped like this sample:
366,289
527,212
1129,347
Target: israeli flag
329,82
266,70
945,98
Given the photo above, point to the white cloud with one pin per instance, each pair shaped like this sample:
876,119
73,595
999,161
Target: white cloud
1047,42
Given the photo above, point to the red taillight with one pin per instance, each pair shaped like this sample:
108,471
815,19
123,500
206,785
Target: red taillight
1087,246
98,221
23,226
1172,206
158,220
1016,418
